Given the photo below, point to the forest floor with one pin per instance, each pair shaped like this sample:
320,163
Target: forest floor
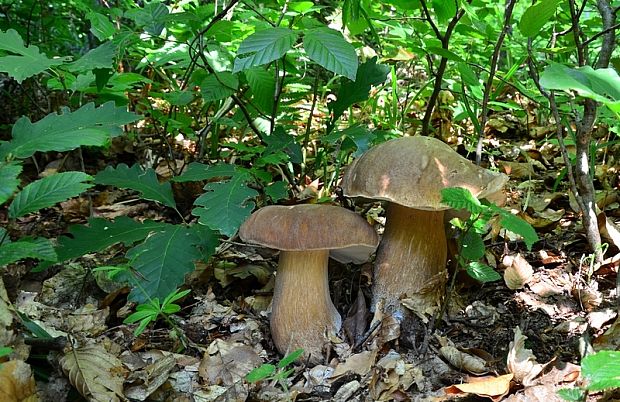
518,339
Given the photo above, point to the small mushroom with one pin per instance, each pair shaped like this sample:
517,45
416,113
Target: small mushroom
303,314
410,173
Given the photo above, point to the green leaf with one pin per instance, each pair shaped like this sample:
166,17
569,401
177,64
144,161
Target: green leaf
139,179
174,296
281,141
199,171
461,198
445,53
263,47
219,86
86,126
102,233
99,57
277,191
152,17
536,16
100,25
48,191
602,370
472,246
572,394
369,73
482,272
162,261
225,205
518,226
23,62
290,358
39,248
260,373
8,180
602,85
328,48
263,86
444,10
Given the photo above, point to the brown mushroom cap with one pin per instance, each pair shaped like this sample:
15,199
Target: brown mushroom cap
312,227
412,171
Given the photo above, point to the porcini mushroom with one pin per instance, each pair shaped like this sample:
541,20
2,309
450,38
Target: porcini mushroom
410,173
307,235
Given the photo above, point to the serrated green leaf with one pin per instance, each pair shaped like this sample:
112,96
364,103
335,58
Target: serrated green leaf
100,57
86,126
219,86
48,191
328,48
572,394
162,262
100,25
102,233
263,86
199,171
461,198
472,246
482,272
281,141
277,191
368,74
536,16
602,370
39,248
260,373
8,180
290,358
518,226
23,62
225,205
263,47
151,17
444,10
139,179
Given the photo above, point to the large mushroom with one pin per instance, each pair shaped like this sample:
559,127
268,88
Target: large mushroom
409,173
303,314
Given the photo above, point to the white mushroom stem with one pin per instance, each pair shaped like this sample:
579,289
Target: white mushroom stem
302,309
412,252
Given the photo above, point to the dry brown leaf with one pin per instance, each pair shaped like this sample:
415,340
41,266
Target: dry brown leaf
609,231
149,378
464,361
359,363
610,339
518,271
392,375
521,361
494,388
94,372
427,300
6,317
17,382
388,326
355,323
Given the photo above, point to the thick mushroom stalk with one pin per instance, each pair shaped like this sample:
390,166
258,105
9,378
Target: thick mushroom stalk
412,254
303,314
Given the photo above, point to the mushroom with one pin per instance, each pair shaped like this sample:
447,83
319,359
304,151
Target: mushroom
307,235
410,173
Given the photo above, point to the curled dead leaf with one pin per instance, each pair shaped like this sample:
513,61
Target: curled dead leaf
464,361
17,382
518,271
521,361
494,388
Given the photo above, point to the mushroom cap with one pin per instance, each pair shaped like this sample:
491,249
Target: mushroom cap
412,171
312,227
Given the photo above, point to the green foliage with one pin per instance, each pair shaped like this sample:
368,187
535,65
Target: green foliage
328,48
279,373
163,260
39,248
264,47
150,312
137,178
536,16
226,205
470,242
23,61
86,126
8,180
602,372
48,191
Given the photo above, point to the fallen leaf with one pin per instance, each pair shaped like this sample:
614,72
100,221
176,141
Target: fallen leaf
17,382
94,372
521,361
149,378
359,363
464,361
518,271
494,388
